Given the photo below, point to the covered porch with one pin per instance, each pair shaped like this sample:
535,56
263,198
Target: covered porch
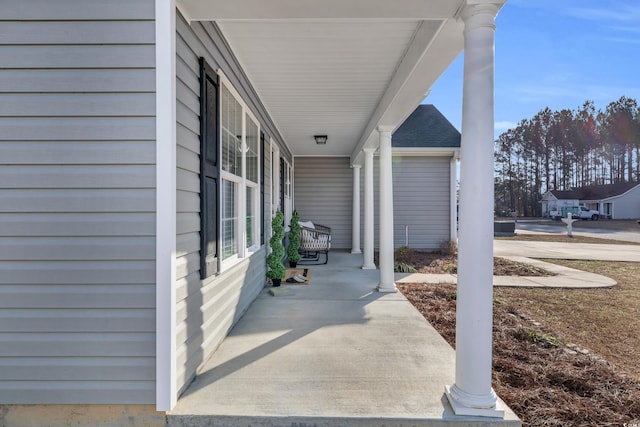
349,72
332,353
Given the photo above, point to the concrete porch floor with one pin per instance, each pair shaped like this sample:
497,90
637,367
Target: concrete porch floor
332,353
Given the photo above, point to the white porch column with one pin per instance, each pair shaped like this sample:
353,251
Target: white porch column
386,212
355,220
368,210
472,393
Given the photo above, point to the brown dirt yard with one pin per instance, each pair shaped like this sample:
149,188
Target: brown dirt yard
562,357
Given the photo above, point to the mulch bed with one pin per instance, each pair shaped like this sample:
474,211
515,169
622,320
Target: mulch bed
437,262
545,381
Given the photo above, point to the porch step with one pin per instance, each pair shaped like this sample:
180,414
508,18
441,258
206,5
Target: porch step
258,421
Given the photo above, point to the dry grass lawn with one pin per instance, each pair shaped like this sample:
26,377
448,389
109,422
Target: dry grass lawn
562,357
605,321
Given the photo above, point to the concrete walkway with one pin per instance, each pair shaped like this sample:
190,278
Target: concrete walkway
333,353
553,227
565,277
593,251
525,251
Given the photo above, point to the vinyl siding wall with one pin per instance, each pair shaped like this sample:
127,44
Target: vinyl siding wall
421,201
206,310
421,198
324,194
77,218
627,206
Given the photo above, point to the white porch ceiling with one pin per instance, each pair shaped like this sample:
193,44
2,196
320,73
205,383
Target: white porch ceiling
337,67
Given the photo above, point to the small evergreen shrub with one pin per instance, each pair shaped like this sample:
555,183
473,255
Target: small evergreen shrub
294,239
274,260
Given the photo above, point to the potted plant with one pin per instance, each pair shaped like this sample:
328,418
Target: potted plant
274,260
294,240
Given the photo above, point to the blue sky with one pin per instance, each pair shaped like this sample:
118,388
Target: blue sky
556,54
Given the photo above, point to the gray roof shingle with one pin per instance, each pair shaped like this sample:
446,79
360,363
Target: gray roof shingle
596,192
426,127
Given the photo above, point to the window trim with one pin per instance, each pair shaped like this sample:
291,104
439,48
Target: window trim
242,183
255,185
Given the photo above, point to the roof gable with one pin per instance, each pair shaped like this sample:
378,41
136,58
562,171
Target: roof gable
426,127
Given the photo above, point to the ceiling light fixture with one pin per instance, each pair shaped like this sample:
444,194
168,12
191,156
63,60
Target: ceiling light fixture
320,139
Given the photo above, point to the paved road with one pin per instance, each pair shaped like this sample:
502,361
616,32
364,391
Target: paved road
602,233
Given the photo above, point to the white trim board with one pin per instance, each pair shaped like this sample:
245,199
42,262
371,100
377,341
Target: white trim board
166,387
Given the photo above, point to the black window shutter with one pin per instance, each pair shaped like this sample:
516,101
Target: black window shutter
209,172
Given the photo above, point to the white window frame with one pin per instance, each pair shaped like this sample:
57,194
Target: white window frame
288,205
275,180
241,183
237,184
250,184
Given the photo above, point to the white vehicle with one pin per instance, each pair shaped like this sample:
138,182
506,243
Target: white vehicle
586,213
581,212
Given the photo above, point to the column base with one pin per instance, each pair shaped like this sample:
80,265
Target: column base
356,251
495,411
387,289
369,267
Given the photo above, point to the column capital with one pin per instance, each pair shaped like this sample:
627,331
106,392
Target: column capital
382,129
369,150
479,14
356,166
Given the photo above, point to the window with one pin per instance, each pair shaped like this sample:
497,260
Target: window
229,220
231,226
252,182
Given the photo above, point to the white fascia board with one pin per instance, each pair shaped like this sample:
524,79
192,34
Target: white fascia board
427,151
204,10
165,32
184,10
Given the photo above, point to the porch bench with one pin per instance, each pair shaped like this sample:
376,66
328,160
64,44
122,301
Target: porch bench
315,239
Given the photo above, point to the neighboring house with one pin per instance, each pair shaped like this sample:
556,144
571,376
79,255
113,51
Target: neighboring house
425,149
145,146
616,201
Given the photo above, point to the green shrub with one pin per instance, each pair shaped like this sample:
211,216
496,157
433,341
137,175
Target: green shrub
274,260
294,239
401,267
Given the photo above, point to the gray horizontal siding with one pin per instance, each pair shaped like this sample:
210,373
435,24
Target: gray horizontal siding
77,128
421,201
323,194
79,56
78,176
87,294
77,272
205,310
79,32
77,104
77,222
38,10
78,152
61,369
77,80
77,200
77,248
